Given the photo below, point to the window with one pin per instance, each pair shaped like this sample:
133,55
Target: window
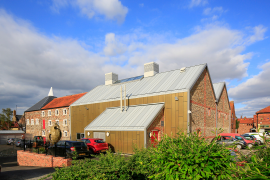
80,135
238,138
43,113
65,133
37,121
49,113
65,122
27,122
43,133
50,122
64,112
32,122
57,122
56,112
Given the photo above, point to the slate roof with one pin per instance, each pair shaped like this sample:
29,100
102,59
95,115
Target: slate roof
264,110
136,118
18,117
63,101
41,103
161,83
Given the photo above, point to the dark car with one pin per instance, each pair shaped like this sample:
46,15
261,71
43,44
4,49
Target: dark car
28,143
230,141
68,148
95,145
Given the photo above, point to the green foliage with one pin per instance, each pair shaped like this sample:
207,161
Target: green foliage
5,119
236,123
75,155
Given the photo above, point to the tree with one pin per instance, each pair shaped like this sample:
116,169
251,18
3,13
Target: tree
5,119
236,124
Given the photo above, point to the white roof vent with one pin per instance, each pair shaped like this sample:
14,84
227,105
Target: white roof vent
110,78
183,69
150,69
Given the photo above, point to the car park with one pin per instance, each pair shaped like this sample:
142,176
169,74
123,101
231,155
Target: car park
259,136
229,141
95,145
11,141
68,148
252,138
18,142
238,137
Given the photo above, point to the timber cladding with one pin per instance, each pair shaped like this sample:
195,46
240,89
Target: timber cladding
122,141
175,112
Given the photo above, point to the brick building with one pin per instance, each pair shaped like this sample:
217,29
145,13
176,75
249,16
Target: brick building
189,105
33,116
245,125
262,118
57,111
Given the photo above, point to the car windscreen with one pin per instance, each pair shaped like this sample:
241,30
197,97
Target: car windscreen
78,144
99,141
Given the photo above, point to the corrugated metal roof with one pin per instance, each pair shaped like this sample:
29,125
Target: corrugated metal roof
162,83
218,87
41,103
136,118
11,132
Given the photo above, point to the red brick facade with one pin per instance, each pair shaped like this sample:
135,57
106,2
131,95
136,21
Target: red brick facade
26,158
245,124
223,112
233,118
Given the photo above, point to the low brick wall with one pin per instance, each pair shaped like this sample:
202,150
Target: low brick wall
26,158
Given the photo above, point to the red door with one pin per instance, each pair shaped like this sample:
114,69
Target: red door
154,138
43,124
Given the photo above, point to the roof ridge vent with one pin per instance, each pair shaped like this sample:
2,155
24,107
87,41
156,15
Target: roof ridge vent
183,69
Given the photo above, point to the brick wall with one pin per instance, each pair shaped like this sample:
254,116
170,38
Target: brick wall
244,128
203,106
224,112
60,117
34,130
156,125
26,158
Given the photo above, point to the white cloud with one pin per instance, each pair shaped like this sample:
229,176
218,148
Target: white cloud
210,11
113,47
259,32
111,9
194,3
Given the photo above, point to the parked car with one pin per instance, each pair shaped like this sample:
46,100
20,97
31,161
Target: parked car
18,142
257,135
11,141
28,143
247,143
68,148
95,145
252,138
230,141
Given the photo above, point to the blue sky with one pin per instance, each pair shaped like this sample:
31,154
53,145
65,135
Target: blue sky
70,45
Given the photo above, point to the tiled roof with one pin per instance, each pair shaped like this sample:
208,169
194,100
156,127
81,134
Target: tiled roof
41,103
246,120
264,110
63,101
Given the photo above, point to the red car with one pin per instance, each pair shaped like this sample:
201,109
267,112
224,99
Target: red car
95,145
249,143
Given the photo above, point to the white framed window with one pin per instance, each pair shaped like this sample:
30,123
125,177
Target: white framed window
50,122
49,113
37,121
32,122
43,113
65,133
56,112
43,133
64,111
65,122
27,122
57,122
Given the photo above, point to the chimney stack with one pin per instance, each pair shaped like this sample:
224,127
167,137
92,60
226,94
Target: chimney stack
150,69
110,78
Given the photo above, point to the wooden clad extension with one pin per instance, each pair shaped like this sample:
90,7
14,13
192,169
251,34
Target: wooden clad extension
175,113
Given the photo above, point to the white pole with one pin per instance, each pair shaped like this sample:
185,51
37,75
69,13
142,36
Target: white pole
121,99
125,97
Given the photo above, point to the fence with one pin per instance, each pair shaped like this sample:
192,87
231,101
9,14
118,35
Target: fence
41,146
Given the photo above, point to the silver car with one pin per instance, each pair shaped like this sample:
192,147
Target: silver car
11,141
18,142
